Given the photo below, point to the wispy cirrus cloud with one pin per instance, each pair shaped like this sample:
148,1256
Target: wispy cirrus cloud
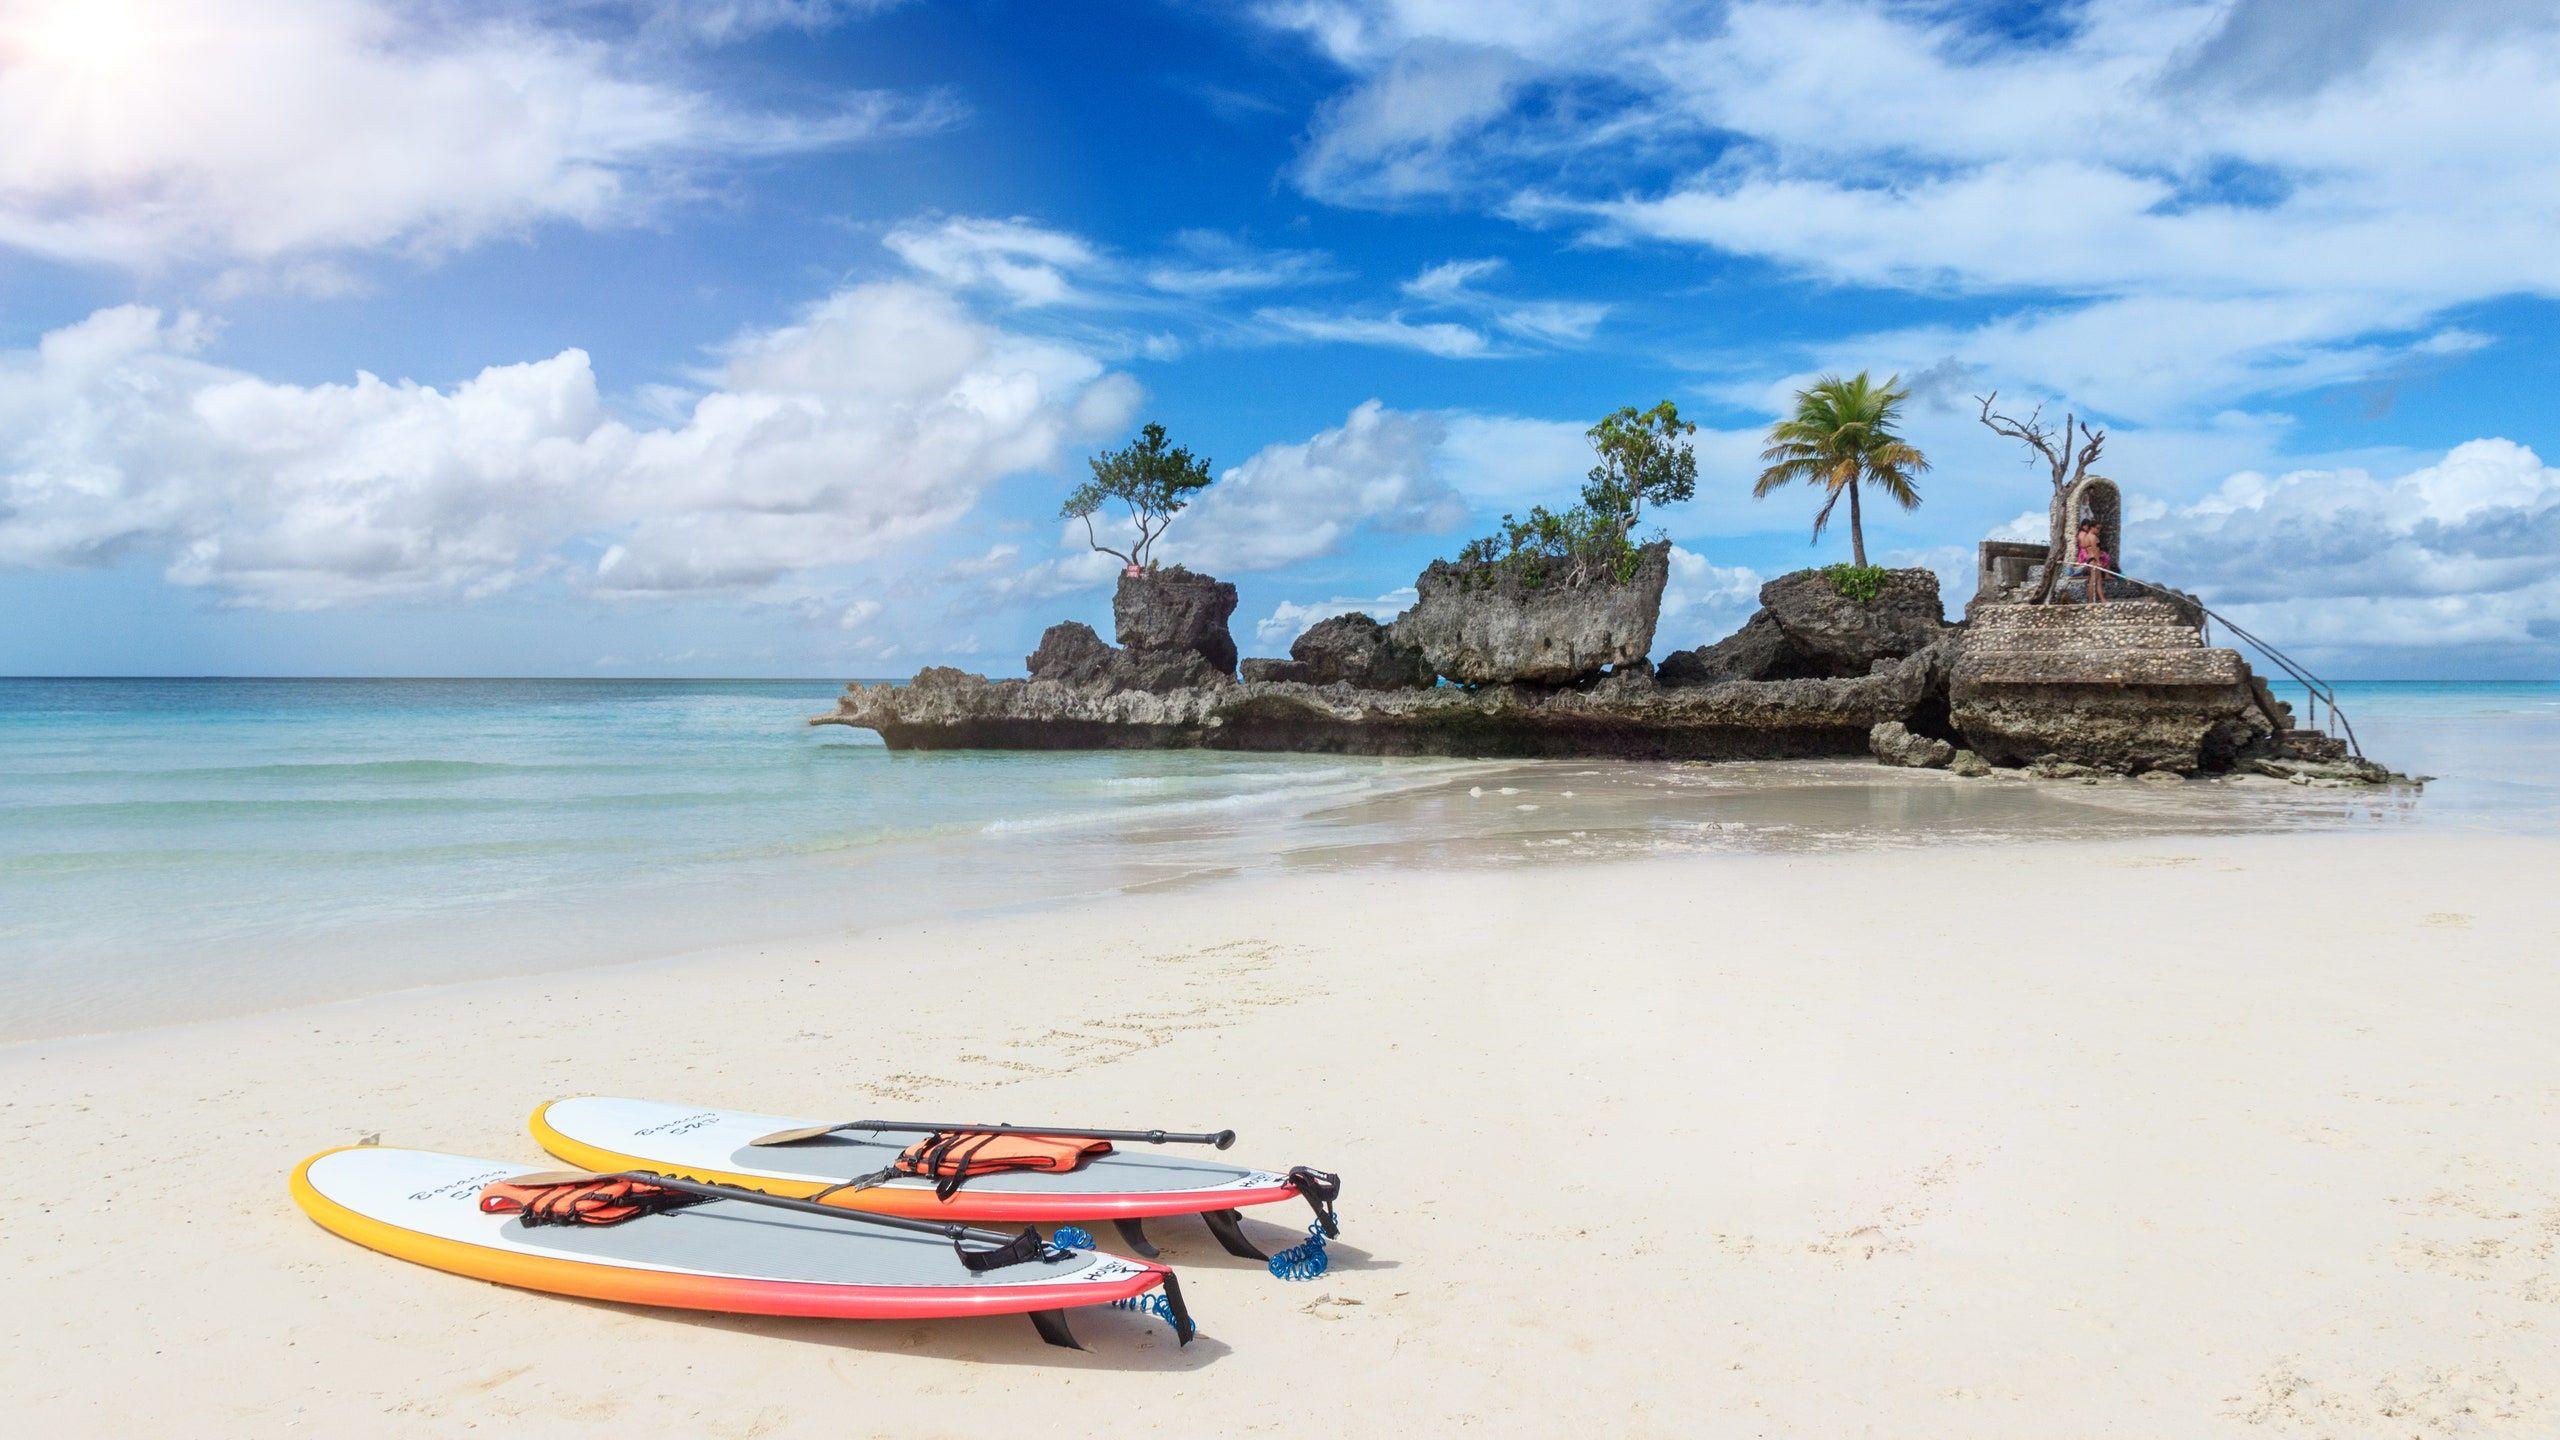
1444,338
1025,262
1453,284
1212,262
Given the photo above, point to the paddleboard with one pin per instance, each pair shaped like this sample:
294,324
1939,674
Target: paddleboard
727,1255
1130,1183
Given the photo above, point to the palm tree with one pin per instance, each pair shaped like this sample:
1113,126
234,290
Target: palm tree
1842,434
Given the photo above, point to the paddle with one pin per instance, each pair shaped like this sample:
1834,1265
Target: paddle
1009,1249
1220,1138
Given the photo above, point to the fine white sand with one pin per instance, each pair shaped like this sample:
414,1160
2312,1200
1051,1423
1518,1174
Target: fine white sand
2250,1137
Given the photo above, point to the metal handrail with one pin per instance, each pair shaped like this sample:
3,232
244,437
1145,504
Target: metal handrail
2317,690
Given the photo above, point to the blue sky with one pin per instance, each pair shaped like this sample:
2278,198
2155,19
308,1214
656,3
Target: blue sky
763,336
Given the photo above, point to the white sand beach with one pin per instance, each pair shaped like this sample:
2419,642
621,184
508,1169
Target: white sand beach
2228,1136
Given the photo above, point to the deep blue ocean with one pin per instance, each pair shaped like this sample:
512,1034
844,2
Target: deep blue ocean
172,848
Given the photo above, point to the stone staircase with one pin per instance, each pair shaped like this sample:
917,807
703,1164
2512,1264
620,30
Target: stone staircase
2127,685
2123,642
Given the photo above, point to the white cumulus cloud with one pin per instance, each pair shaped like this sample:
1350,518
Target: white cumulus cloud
1378,470
1703,601
1290,618
876,418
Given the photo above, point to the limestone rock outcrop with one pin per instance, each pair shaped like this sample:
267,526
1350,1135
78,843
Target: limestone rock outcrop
1072,655
2082,692
1757,651
1894,743
1827,633
1626,714
1353,650
1486,625
1806,629
1157,612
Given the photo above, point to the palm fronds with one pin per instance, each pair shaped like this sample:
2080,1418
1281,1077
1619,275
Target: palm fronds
1842,434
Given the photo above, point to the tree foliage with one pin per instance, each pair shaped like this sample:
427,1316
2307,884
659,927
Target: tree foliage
1645,459
1841,437
1152,479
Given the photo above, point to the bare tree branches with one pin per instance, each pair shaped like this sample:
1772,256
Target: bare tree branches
2069,465
2068,453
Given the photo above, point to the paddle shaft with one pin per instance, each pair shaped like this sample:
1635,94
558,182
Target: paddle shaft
1221,1138
953,1233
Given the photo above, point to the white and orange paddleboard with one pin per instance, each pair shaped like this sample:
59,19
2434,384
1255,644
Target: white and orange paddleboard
735,1256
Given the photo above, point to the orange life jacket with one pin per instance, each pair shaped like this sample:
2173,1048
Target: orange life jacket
953,1156
581,1202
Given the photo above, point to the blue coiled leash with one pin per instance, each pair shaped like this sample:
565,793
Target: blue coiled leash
1303,1262
1308,1260
1151,1303
1158,1303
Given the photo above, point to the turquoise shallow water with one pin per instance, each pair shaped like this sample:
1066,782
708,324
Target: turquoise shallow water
177,848
171,848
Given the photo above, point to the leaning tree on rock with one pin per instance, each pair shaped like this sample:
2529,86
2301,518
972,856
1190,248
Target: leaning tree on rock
2068,453
1153,479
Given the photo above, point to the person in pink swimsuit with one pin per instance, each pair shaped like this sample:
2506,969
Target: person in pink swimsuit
2090,562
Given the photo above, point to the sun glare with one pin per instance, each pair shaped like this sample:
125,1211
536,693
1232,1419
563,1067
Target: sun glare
94,38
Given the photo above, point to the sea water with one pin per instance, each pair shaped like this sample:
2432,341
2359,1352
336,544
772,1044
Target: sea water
173,848
180,848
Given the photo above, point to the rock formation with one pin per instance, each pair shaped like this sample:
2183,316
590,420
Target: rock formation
1486,625
1832,634
2123,687
2066,691
1352,650
1757,651
1164,611
1894,743
1805,628
1627,715
1073,656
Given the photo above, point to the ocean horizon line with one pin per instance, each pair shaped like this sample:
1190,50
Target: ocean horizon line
895,679
476,679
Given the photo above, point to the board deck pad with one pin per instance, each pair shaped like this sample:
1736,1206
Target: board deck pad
722,1254
1132,1180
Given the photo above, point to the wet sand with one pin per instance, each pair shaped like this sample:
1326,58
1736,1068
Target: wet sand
1680,1138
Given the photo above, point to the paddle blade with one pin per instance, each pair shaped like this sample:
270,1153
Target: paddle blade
794,1137
542,1178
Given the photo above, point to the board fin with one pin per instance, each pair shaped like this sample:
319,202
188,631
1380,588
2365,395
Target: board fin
1052,1325
1228,1226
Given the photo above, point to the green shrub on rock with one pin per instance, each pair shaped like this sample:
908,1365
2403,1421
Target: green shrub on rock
1644,459
1861,583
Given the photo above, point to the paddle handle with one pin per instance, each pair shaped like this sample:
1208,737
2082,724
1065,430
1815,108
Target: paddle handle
1219,1138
